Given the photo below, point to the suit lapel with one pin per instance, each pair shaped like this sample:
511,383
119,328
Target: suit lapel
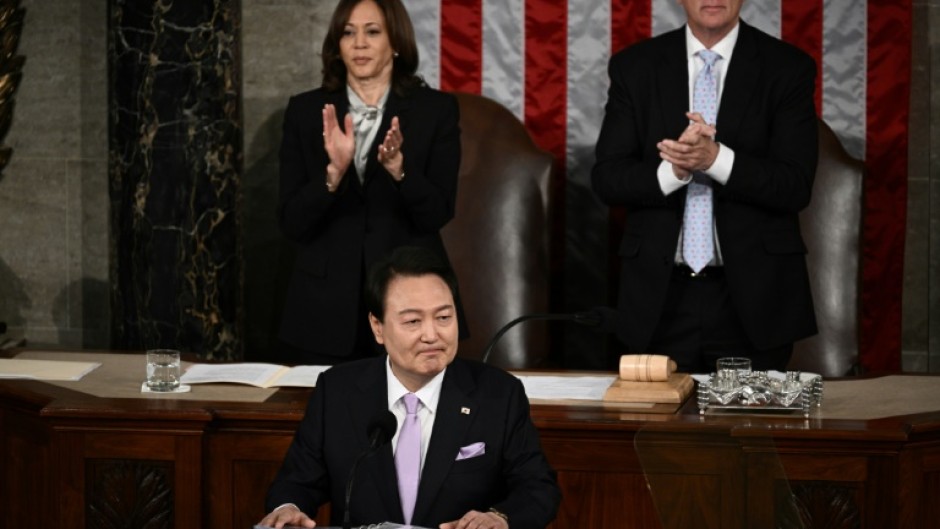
740,85
673,83
373,393
337,99
450,428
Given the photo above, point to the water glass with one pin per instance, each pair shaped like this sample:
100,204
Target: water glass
733,368
163,369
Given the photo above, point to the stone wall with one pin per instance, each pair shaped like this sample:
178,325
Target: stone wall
54,194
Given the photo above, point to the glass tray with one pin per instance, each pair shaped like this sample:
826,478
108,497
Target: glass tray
761,391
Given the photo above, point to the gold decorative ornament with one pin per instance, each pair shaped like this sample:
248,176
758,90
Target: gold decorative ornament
11,69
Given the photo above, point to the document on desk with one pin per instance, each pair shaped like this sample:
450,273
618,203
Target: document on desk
45,369
579,387
254,374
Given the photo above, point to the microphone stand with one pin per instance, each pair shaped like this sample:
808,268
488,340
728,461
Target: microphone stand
589,318
381,430
349,484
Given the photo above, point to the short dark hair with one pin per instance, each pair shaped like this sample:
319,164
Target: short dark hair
404,261
401,36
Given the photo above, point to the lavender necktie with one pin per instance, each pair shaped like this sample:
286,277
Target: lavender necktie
408,457
698,245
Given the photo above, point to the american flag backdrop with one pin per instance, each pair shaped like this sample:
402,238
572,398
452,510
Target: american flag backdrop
546,61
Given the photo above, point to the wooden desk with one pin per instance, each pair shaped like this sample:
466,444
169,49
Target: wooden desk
73,460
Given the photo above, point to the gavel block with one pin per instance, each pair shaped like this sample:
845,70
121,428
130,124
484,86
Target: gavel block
649,378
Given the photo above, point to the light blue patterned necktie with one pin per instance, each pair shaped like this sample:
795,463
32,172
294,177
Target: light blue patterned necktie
698,244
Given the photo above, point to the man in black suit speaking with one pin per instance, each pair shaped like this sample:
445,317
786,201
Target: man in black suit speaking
464,427
712,259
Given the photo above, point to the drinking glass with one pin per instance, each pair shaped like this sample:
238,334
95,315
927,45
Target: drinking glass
163,369
732,369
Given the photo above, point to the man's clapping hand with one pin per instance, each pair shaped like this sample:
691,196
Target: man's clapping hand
694,150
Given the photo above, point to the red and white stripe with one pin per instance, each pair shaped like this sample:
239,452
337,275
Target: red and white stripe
546,61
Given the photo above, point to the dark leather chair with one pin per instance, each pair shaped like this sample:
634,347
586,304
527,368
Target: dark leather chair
831,227
498,241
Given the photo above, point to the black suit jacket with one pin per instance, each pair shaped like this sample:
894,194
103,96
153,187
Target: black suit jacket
512,476
767,116
338,235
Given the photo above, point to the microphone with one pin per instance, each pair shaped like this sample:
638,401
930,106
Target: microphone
380,430
604,319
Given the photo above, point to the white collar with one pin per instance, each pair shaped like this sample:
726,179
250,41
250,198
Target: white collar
723,47
429,394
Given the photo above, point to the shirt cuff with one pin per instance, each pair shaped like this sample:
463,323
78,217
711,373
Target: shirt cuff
668,181
720,170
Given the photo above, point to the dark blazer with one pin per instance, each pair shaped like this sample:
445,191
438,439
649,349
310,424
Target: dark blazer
512,476
338,235
767,116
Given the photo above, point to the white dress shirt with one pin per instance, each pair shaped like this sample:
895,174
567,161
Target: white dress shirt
428,397
720,170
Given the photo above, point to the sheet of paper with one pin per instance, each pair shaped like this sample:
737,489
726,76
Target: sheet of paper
45,369
549,387
301,376
245,373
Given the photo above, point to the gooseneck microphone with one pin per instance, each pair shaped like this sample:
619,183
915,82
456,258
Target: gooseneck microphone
604,319
380,430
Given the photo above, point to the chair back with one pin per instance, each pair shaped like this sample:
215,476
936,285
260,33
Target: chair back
831,227
498,241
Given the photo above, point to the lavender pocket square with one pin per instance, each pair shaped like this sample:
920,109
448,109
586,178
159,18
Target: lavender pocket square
471,450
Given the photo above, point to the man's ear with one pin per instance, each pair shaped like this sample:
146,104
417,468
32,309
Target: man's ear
376,329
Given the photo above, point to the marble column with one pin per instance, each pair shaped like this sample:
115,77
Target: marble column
175,145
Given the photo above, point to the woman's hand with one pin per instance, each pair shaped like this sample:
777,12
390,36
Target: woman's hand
390,155
340,146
